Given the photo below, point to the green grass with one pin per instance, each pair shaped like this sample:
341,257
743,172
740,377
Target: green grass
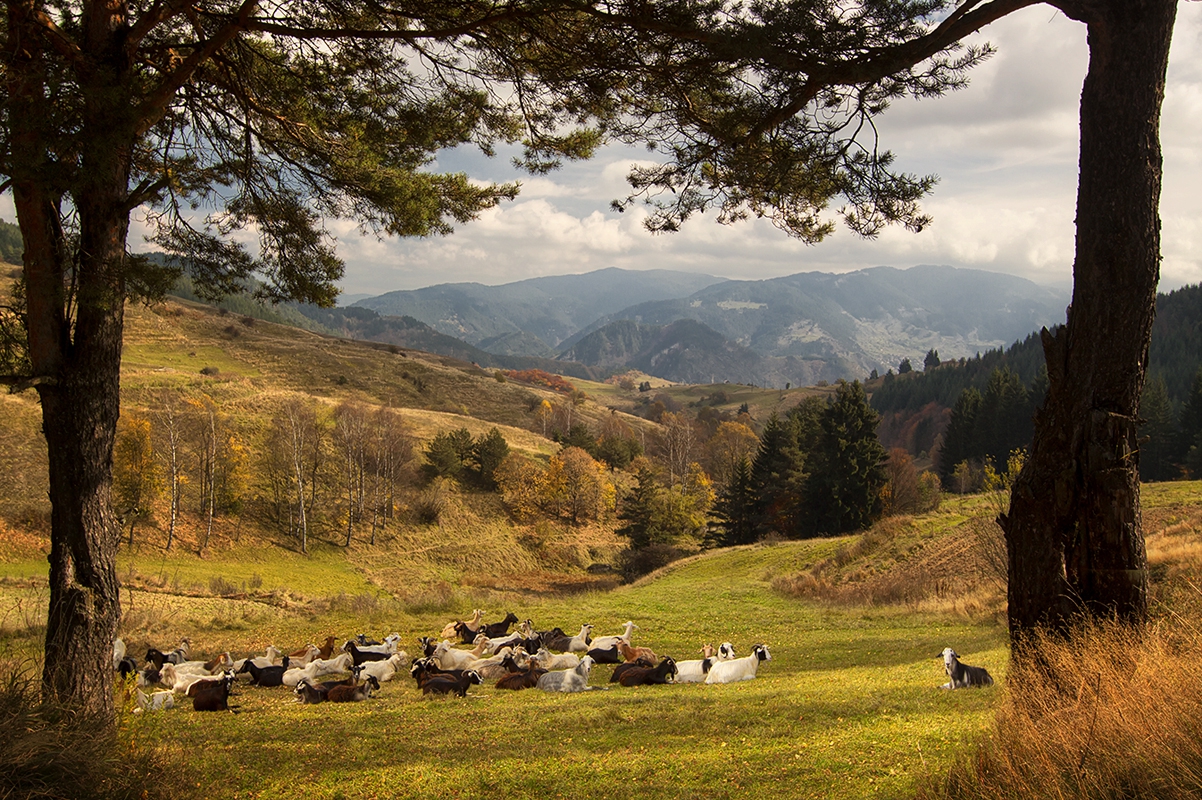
847,707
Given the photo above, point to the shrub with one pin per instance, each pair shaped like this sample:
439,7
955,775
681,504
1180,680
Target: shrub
634,564
210,371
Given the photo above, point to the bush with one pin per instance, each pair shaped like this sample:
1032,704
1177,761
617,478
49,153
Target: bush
210,371
634,564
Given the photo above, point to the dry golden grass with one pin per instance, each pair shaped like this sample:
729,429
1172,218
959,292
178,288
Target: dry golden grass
1113,713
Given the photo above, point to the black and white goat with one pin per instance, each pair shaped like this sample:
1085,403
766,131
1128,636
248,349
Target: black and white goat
962,675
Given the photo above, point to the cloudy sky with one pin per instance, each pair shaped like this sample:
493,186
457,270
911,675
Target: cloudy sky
1005,150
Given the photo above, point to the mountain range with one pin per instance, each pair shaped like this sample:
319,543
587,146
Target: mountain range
798,329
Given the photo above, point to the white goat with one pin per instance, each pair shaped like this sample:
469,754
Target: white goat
962,676
548,661
118,653
610,642
738,669
726,651
579,642
155,701
447,657
694,671
272,658
319,668
568,680
384,670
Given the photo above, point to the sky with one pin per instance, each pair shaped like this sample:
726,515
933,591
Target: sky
1004,148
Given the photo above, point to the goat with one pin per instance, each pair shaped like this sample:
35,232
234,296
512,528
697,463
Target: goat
608,642
272,657
580,642
211,667
496,665
525,679
466,631
962,675
568,680
555,639
351,694
635,653
309,693
425,669
126,666
446,684
177,656
306,654
428,645
327,649
562,661
726,651
214,695
605,656
361,656
448,657
738,669
622,669
118,653
155,701
267,676
645,676
384,670
498,629
695,670
316,669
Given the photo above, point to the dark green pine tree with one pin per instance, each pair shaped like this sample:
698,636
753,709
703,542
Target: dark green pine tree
1158,450
772,470
1004,421
1191,428
847,468
931,360
487,454
960,440
735,509
447,453
638,511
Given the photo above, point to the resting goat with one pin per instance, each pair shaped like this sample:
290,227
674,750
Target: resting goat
571,680
641,676
962,676
738,669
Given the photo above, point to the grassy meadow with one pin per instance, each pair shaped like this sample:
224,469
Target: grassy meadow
848,706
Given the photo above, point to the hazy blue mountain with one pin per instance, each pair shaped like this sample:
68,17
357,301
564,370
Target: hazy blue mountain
859,321
549,309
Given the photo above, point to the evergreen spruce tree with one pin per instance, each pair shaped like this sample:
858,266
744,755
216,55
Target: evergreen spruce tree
1158,450
772,469
1191,412
847,474
1004,421
638,511
735,510
487,454
960,440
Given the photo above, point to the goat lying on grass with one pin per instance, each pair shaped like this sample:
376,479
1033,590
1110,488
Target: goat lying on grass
962,675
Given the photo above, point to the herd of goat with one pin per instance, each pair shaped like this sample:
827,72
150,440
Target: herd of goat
467,653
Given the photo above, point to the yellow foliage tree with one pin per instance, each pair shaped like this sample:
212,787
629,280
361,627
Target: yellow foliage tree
136,480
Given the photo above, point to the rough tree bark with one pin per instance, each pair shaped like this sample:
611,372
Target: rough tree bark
1074,530
75,312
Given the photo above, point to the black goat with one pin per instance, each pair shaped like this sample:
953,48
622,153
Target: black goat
350,694
212,695
607,655
362,656
641,676
498,629
640,663
525,679
446,684
265,676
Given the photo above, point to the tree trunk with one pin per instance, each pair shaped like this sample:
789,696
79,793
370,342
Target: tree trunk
74,321
1074,532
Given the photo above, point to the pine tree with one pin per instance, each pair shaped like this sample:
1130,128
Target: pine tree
847,473
487,454
735,510
776,462
1004,420
960,441
638,510
1158,449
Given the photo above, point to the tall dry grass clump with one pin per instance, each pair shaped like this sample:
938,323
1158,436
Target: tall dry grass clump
54,754
1113,712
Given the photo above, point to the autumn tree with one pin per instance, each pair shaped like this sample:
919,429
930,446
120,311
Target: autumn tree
389,452
136,479
351,436
731,445
293,439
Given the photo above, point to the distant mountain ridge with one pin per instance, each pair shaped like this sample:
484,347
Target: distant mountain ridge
797,329
549,309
